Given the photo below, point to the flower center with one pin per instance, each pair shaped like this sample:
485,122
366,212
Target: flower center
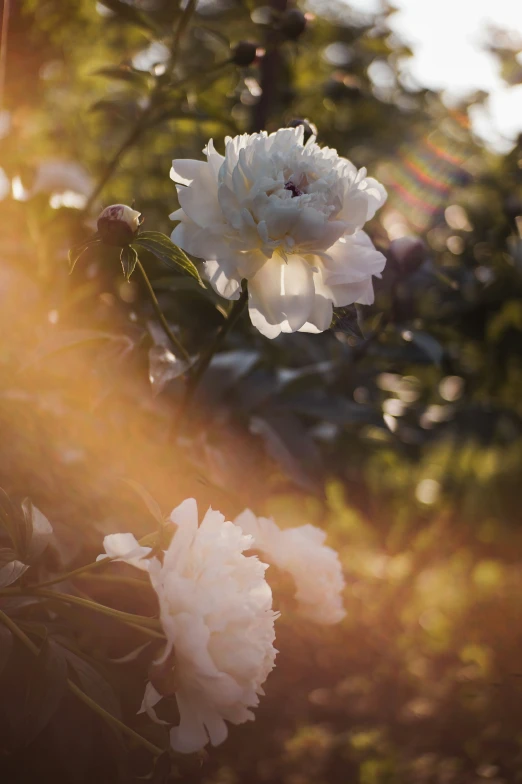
292,187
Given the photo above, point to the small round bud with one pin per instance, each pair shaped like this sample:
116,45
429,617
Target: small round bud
244,53
407,253
118,224
293,24
309,128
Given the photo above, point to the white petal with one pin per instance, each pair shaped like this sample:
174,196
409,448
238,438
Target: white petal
184,171
190,735
376,195
352,259
281,295
150,699
214,158
223,278
125,547
199,200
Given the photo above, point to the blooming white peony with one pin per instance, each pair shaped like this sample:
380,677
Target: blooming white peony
216,611
285,215
314,567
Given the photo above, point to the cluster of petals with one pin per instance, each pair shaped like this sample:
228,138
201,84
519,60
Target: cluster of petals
216,610
301,552
285,215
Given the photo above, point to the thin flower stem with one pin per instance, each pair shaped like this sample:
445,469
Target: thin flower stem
182,26
163,321
113,720
137,620
111,167
199,372
145,540
29,644
231,321
22,636
3,49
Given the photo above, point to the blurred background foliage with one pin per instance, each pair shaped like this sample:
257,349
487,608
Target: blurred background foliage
399,430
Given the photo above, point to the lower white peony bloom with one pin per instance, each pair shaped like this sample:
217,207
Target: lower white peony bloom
216,611
301,552
287,216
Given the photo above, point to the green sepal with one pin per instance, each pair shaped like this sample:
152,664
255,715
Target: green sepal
164,249
79,250
129,259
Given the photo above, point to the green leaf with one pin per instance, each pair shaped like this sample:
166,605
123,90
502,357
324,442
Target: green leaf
6,644
129,259
165,250
45,689
151,504
93,684
79,250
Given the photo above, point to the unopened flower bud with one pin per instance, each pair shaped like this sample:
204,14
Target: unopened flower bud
244,53
118,224
407,253
309,128
293,23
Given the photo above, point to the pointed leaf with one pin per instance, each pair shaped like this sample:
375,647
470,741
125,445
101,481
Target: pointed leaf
11,572
79,250
129,259
165,250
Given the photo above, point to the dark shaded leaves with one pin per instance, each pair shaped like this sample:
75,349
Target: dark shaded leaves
93,684
6,645
45,688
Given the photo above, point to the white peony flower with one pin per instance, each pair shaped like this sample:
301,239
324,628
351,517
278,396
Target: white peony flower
314,567
285,215
216,611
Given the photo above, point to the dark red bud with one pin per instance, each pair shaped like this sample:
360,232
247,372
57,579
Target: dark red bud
244,53
293,24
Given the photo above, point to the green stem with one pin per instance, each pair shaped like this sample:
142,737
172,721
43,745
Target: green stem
111,167
143,621
110,719
74,573
22,636
233,317
163,321
144,541
29,644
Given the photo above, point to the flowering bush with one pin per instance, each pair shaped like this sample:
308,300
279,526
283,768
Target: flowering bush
360,429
